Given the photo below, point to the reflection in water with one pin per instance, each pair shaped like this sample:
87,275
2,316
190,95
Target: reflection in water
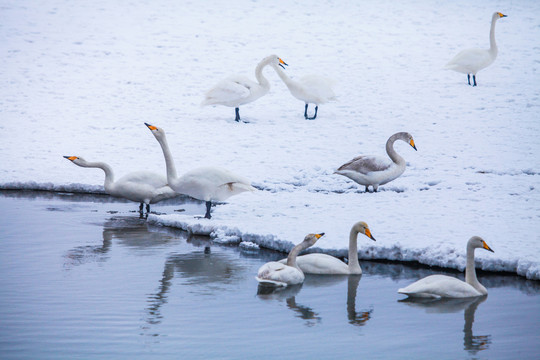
471,343
289,295
206,273
355,318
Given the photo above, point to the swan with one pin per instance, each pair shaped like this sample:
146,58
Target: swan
238,90
144,187
470,61
376,170
326,264
442,286
207,183
311,89
278,274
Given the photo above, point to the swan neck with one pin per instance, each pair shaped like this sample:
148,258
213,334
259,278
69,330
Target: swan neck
470,271
391,152
169,162
492,43
259,75
109,175
282,75
354,265
291,259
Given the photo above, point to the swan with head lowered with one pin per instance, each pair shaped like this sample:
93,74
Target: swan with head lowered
442,286
311,89
324,264
144,187
376,170
274,273
470,61
207,183
238,90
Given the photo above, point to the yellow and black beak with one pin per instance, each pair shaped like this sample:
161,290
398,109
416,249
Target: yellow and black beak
281,63
71,157
318,236
368,234
501,15
412,144
151,127
485,246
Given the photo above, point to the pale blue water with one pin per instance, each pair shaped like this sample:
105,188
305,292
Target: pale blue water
82,277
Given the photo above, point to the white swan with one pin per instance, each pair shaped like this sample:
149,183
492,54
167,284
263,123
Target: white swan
208,183
311,89
327,264
144,187
278,274
376,170
442,286
238,90
470,61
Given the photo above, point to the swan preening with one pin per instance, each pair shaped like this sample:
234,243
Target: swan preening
442,286
324,264
470,61
311,89
376,170
208,183
144,187
238,90
277,274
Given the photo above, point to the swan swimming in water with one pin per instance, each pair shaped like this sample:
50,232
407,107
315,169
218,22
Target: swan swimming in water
144,187
442,286
376,170
208,183
311,89
470,61
324,264
238,90
277,274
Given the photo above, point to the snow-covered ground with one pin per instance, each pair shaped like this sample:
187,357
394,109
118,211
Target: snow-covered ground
81,78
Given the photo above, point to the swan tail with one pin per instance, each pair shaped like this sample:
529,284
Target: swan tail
267,282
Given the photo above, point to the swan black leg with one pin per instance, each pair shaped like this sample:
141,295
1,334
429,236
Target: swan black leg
474,80
305,112
237,110
469,78
314,116
147,208
141,208
208,206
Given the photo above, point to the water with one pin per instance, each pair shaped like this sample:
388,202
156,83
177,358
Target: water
85,277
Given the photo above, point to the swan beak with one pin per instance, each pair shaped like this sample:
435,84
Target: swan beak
502,15
281,63
151,127
486,246
318,236
368,234
412,144
71,157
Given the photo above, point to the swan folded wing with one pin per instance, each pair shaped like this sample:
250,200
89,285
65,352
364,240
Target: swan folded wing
440,286
145,177
365,164
470,60
320,264
320,87
279,274
229,91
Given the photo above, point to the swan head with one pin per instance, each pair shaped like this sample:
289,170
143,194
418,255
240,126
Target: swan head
159,133
311,239
405,136
77,160
478,242
275,60
363,228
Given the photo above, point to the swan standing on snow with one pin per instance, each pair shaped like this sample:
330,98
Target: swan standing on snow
311,89
278,274
470,61
238,90
376,170
442,286
208,183
324,264
144,187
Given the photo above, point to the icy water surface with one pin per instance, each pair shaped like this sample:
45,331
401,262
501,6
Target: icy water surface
85,277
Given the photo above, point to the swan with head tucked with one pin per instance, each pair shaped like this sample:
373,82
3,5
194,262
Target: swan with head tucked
324,264
144,187
442,286
207,183
238,90
470,61
376,170
277,274
311,89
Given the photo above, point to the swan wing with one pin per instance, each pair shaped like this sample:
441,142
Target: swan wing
365,164
142,186
440,286
279,274
144,177
321,264
319,87
470,60
230,91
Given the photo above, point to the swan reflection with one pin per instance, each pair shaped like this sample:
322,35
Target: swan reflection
472,343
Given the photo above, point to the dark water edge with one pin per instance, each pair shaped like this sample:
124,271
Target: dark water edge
84,277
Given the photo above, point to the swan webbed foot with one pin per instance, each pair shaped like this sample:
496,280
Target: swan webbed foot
314,116
237,111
